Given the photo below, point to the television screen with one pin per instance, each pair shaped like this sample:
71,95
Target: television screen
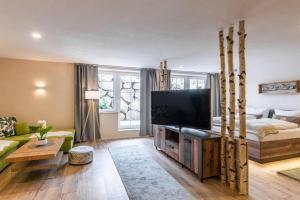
184,108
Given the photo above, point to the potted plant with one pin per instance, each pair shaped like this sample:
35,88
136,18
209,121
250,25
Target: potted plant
42,130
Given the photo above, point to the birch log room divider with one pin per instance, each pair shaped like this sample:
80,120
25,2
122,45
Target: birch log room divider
163,81
223,108
231,109
235,180
242,170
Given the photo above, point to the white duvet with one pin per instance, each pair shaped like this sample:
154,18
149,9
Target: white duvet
217,120
263,127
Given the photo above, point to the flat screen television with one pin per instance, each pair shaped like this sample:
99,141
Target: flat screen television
182,108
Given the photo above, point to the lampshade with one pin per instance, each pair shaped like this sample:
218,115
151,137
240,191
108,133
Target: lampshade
91,94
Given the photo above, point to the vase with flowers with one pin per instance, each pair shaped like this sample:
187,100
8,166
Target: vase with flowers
42,130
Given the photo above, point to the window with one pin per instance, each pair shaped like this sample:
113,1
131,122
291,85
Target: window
120,92
106,88
129,115
177,83
182,81
197,83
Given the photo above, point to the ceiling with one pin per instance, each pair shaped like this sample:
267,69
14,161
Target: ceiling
140,33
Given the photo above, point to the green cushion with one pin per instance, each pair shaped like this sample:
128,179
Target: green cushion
22,139
69,130
3,163
69,141
67,145
12,145
68,137
22,128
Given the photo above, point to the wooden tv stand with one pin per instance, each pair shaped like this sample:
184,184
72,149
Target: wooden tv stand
196,150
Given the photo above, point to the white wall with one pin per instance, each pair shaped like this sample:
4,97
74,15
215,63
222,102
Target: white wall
279,67
109,127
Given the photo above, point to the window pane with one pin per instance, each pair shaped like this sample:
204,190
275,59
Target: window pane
129,101
106,88
197,83
177,83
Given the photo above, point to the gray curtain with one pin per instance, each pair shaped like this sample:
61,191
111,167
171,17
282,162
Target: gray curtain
149,82
86,78
169,79
213,82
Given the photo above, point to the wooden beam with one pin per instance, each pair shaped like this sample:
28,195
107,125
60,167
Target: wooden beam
223,108
231,109
243,154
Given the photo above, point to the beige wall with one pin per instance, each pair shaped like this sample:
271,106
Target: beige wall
21,96
109,127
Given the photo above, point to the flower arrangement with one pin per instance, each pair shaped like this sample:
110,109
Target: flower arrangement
42,129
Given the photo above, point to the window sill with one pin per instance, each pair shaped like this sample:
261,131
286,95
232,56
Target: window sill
108,112
128,129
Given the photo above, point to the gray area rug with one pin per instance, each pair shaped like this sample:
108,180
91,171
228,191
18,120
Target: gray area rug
143,178
291,173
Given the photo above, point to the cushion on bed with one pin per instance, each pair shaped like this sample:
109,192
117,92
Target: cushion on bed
255,116
289,113
288,119
258,112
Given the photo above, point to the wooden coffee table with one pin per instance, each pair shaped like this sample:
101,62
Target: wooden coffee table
32,157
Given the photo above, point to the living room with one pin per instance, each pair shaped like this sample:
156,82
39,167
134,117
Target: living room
149,100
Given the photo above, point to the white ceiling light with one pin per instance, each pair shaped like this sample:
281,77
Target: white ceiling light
36,35
180,67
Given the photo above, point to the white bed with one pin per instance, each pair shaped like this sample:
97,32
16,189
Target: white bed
277,142
281,135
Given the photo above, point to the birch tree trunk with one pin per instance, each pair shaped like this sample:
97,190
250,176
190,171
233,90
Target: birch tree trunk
231,109
163,82
243,150
223,108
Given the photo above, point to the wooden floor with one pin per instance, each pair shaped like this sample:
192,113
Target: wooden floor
100,179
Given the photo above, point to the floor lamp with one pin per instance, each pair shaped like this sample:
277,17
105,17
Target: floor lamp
91,95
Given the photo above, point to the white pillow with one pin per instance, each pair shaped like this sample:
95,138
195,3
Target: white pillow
287,113
258,111
237,116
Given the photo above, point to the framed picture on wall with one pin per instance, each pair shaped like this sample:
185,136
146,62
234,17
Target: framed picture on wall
288,87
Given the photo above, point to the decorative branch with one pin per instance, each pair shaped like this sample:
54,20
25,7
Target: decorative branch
223,107
163,75
243,151
231,109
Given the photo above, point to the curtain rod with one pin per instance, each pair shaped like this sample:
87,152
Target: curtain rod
111,67
118,67
189,72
